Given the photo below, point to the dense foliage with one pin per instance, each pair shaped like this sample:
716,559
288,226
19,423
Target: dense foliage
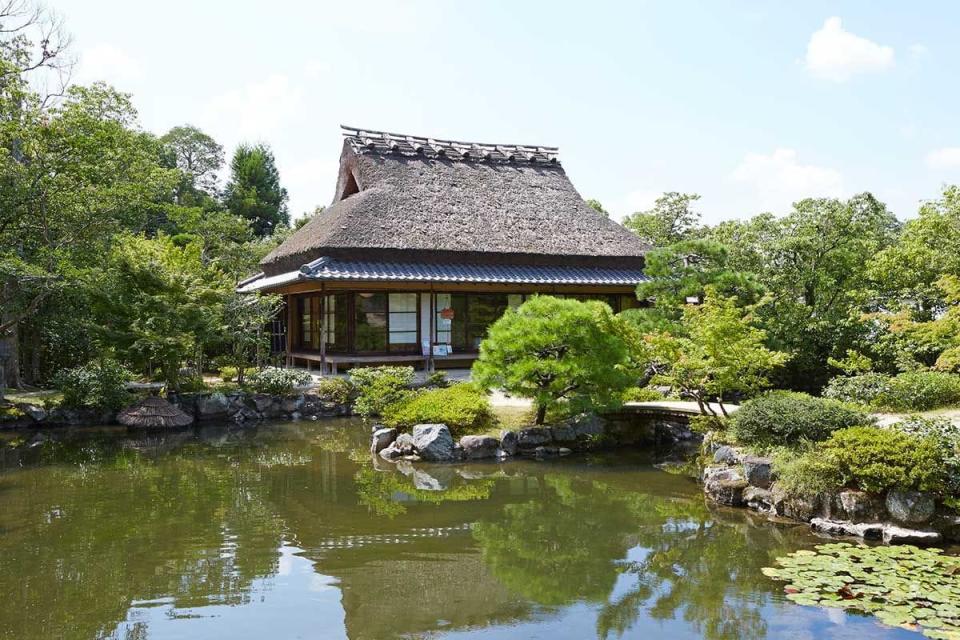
559,353
378,387
786,418
276,381
875,459
462,407
99,384
716,351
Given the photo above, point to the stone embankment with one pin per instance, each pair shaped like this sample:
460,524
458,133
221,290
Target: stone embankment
733,478
204,407
434,442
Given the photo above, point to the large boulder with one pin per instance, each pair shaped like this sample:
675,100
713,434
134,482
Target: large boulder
405,444
724,485
509,442
381,439
726,454
533,437
291,404
563,433
910,506
797,507
586,425
212,407
478,447
758,499
758,470
866,530
434,442
859,506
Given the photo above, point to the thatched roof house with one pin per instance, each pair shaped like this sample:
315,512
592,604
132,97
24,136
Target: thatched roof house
462,226
153,411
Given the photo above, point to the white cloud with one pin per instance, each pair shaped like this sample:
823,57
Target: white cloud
108,63
835,54
779,179
256,110
945,158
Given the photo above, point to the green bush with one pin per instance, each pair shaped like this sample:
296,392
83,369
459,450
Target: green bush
228,373
706,424
809,472
786,418
337,390
276,381
875,459
462,407
947,436
378,387
862,389
437,379
920,391
99,384
642,394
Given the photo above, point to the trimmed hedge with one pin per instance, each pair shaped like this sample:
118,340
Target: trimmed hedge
875,459
920,391
863,389
461,407
378,387
787,418
276,381
99,384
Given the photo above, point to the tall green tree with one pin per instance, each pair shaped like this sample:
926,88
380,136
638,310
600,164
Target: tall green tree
199,157
254,190
671,219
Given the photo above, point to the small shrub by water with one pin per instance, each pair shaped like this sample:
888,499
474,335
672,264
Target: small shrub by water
337,390
786,418
807,473
276,381
378,387
875,459
462,407
99,384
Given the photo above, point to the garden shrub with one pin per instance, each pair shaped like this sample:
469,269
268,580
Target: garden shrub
641,394
707,423
808,472
862,389
228,373
462,407
378,387
947,436
437,379
338,390
787,418
276,381
99,384
875,459
920,391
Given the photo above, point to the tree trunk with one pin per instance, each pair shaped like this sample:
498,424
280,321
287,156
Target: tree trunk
541,414
11,364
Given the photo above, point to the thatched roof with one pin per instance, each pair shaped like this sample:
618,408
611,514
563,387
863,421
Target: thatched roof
153,411
408,198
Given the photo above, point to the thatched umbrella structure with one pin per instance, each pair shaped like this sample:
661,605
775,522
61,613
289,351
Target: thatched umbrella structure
153,411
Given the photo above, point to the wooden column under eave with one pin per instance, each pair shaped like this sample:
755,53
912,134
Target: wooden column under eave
291,326
323,330
433,333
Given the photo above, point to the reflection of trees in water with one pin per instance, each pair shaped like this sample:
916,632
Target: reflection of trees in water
569,545
103,523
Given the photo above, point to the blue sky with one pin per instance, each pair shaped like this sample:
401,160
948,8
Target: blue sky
751,105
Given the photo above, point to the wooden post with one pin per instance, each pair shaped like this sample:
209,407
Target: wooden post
433,334
291,326
323,330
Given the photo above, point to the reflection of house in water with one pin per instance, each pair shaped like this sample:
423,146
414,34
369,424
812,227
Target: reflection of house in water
417,572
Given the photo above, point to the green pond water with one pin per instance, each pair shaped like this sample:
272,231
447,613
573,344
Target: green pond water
289,531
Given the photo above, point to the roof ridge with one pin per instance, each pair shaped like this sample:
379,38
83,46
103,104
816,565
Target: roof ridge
367,140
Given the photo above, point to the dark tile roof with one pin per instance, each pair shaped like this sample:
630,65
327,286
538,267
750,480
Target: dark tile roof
330,269
422,195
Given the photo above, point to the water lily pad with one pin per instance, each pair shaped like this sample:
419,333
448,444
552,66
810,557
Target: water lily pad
903,586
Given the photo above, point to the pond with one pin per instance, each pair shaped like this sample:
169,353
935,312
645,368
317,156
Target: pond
289,531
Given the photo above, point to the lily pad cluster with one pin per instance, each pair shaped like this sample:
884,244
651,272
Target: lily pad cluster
903,586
